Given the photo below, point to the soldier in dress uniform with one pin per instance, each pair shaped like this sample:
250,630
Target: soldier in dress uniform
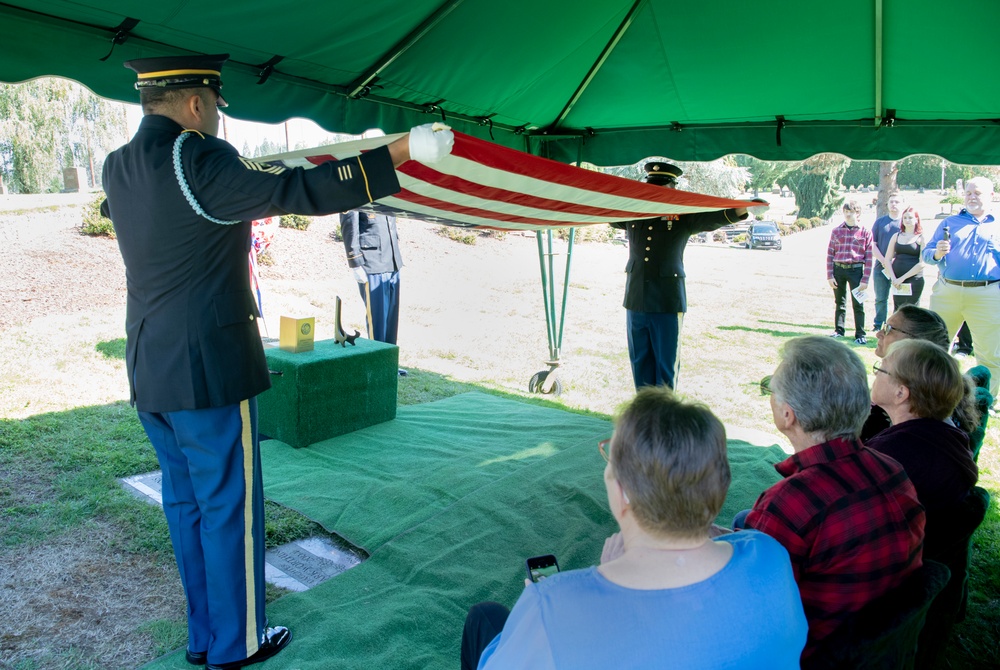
181,201
372,244
655,297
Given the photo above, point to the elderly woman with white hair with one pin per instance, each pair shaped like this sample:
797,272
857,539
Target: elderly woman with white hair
665,593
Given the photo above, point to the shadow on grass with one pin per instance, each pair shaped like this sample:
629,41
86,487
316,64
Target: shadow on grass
823,327
421,386
767,331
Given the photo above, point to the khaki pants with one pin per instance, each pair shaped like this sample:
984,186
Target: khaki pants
980,308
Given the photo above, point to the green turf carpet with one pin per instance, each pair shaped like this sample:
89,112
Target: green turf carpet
450,502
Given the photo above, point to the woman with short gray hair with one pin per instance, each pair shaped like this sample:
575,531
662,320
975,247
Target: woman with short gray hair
813,364
845,513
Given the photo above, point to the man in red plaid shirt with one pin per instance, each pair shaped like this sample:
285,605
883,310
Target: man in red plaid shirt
848,515
849,266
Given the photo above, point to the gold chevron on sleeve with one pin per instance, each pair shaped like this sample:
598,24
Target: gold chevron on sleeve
262,167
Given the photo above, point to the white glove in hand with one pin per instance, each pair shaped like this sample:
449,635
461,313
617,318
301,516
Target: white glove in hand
430,142
360,274
759,208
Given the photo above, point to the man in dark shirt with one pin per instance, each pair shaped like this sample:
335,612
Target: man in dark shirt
181,202
882,231
655,294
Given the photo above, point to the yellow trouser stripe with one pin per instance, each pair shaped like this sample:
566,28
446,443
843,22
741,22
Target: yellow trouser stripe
253,641
365,176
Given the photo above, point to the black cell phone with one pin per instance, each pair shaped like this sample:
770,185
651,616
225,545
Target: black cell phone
540,567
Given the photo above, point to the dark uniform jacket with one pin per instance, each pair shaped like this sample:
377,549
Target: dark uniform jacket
191,322
371,241
655,268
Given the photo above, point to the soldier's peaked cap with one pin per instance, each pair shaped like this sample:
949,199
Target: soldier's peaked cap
194,71
659,173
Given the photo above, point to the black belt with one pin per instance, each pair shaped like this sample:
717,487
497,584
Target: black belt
849,266
970,284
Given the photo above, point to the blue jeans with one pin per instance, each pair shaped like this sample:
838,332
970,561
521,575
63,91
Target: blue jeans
882,286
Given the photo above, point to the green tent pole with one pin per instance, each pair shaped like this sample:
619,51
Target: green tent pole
569,259
549,309
553,346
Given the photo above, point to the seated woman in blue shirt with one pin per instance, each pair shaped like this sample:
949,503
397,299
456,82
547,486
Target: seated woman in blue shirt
665,593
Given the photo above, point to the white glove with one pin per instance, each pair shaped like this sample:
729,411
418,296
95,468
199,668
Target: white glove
430,142
360,275
759,208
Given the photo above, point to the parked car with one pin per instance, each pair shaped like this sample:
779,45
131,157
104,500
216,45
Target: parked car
763,235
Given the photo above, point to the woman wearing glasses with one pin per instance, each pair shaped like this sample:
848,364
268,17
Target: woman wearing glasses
919,386
664,593
910,322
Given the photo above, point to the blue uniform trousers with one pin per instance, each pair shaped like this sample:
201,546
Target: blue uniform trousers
213,499
654,347
384,287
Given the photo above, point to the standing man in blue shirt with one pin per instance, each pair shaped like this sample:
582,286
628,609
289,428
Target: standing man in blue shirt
966,250
882,231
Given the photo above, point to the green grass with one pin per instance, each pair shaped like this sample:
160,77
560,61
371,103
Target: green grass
61,472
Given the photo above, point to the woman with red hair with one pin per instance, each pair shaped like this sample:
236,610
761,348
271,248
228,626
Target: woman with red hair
903,262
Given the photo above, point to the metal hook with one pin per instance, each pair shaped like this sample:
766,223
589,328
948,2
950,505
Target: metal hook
122,33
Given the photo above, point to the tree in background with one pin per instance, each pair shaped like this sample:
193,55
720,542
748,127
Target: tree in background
31,136
887,173
765,174
816,185
923,171
49,124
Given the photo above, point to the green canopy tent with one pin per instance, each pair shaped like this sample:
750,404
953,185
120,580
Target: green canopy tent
604,81
608,81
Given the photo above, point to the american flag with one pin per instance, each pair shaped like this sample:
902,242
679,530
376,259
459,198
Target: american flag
488,186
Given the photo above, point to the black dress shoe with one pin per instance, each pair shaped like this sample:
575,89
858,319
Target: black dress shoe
275,639
196,657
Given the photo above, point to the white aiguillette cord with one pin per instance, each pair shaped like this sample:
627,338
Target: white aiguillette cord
185,188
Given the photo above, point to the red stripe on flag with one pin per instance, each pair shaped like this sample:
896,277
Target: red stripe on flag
446,206
429,175
518,162
319,160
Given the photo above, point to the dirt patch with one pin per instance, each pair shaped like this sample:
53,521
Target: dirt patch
78,600
52,268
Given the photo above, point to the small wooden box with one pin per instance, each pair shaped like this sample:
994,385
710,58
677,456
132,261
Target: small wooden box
297,334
